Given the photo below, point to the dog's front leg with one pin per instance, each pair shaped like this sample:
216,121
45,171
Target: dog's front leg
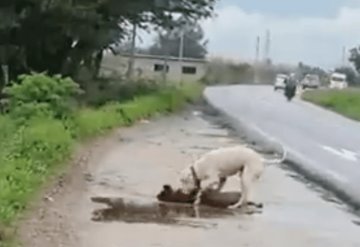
198,198
197,203
212,182
221,185
197,211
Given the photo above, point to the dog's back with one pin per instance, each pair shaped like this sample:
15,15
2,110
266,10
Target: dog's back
227,161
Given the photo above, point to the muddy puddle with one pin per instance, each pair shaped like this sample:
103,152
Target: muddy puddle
144,211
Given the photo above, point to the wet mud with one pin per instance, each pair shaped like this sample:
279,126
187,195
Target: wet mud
119,209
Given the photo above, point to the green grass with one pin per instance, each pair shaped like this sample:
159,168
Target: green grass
345,102
31,153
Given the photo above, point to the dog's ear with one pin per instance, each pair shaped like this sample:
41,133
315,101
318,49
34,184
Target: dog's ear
167,187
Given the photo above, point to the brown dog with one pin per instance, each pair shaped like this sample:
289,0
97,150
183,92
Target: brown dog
210,197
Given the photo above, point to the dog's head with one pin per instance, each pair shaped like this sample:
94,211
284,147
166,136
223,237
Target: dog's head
165,193
187,182
168,194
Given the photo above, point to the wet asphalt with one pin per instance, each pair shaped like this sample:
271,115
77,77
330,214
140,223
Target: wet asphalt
324,145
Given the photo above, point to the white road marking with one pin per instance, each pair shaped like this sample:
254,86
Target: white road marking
343,153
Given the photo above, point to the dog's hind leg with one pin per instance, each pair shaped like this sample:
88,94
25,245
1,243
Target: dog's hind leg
246,183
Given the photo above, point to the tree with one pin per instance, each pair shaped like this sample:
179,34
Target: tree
355,58
126,48
303,70
59,36
168,42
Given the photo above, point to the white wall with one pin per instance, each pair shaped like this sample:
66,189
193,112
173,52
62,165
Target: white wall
144,67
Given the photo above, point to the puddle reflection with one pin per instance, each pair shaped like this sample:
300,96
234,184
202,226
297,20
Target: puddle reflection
118,209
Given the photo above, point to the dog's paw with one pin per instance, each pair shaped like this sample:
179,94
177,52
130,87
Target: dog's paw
235,206
256,205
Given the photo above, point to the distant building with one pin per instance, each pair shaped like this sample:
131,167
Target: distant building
153,67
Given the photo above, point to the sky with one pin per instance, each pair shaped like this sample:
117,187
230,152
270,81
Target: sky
310,31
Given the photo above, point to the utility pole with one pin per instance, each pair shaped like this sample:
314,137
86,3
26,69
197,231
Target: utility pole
165,68
132,53
257,52
267,46
181,47
256,64
181,53
165,64
344,56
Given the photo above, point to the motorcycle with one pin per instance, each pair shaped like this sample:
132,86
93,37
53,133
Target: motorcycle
290,90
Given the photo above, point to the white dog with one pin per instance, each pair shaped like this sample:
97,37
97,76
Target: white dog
216,166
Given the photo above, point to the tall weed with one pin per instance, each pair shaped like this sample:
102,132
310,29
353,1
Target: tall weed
30,152
345,102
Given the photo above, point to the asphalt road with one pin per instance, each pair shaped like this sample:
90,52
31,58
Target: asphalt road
326,144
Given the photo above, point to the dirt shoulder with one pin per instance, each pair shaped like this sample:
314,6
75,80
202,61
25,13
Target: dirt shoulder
134,163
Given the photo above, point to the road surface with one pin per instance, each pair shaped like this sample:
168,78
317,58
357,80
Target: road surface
326,144
134,163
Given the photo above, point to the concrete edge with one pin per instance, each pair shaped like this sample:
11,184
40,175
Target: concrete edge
295,160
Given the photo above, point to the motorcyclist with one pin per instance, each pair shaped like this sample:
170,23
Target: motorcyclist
290,87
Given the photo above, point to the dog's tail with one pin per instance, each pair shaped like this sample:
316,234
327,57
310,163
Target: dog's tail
277,161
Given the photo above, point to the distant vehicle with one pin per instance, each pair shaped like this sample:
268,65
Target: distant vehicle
280,81
338,81
310,81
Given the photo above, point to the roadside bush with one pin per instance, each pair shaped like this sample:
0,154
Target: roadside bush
345,102
7,128
30,153
101,91
220,71
40,94
89,122
192,91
